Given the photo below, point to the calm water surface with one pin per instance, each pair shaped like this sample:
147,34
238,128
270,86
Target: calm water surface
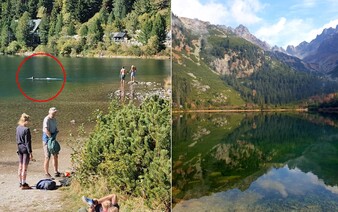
255,162
89,83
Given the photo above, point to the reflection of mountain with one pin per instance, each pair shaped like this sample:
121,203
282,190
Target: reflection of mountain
279,189
320,159
238,156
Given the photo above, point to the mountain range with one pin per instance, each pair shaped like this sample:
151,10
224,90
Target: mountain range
218,66
321,53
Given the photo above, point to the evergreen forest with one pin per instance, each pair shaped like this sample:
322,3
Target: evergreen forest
85,27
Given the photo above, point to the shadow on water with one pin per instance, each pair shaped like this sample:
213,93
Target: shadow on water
218,157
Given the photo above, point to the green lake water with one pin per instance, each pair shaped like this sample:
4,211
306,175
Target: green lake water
255,162
89,82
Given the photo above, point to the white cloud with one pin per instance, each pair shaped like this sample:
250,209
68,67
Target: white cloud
213,12
274,186
309,3
231,13
314,32
284,32
244,11
305,4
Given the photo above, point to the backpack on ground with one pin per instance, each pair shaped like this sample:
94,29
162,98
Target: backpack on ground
46,184
53,146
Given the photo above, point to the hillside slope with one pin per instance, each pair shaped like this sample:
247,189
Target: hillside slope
195,84
215,68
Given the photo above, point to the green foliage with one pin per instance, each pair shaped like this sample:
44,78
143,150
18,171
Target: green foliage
83,30
42,48
190,77
61,19
120,9
23,29
44,28
58,25
5,36
130,149
95,31
71,29
270,82
13,47
146,31
159,30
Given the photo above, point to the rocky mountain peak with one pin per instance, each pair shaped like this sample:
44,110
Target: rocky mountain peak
196,26
278,49
242,30
329,31
321,52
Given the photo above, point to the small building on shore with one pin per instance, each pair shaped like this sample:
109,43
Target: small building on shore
120,37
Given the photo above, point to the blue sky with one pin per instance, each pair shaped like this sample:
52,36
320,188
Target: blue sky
279,22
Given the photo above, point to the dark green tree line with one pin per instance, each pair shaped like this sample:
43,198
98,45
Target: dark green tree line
62,21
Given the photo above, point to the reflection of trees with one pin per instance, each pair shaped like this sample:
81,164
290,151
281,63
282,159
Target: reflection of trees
236,157
321,159
261,142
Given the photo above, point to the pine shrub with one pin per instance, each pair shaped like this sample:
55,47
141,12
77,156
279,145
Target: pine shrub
130,149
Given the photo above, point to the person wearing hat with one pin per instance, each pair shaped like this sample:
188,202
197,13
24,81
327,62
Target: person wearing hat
50,130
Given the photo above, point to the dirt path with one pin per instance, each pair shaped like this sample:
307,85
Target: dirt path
15,199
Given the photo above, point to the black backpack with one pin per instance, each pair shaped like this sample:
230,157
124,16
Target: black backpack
46,184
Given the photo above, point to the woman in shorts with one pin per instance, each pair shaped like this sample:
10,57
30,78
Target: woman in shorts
24,142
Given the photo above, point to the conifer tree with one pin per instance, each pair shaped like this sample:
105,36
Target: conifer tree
48,4
83,30
5,37
95,31
120,9
159,30
60,18
32,8
59,24
44,29
23,29
146,31
110,18
71,29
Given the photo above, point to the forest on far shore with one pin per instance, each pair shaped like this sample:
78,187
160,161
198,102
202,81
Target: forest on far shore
86,27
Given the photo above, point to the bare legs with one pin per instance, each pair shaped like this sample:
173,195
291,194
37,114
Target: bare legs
111,197
106,202
55,164
22,172
46,165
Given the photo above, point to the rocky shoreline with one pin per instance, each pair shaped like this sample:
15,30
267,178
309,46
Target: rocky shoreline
139,91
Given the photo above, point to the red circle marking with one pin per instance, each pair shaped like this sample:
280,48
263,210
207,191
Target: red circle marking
25,60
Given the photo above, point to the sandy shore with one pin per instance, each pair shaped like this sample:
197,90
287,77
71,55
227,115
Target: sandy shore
15,199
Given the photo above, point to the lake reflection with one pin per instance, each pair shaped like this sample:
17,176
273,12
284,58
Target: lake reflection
252,162
279,189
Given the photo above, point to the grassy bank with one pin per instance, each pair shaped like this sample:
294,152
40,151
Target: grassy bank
73,194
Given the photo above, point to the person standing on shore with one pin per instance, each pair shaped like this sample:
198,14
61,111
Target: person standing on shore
132,73
24,142
50,130
122,75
